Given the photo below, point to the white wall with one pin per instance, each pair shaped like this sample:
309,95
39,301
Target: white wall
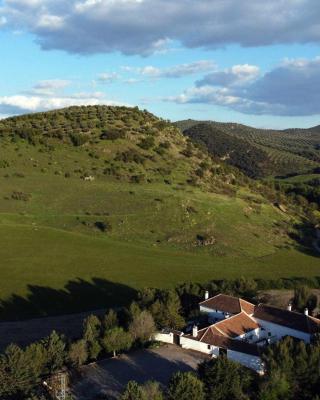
187,343
214,314
248,360
164,337
279,331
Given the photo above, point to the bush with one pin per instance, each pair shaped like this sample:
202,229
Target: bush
78,139
20,196
137,178
103,226
112,134
147,143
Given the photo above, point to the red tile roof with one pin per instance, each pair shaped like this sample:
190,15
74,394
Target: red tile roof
290,319
229,304
236,325
210,337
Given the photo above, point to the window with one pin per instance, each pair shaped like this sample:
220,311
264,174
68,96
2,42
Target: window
209,347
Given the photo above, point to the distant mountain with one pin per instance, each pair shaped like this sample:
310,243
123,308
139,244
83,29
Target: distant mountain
285,151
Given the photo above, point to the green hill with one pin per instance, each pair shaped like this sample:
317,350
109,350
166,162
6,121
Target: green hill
117,195
286,151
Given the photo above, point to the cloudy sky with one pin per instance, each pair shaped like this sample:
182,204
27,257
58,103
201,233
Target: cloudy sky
247,61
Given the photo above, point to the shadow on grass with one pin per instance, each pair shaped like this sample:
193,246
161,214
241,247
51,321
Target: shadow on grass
78,295
305,236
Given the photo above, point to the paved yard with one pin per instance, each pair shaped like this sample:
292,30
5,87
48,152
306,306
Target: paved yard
109,377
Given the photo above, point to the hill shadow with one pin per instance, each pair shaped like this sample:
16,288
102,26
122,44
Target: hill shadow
305,237
78,295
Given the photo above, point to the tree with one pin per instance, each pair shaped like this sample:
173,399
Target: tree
142,326
166,310
78,353
294,365
110,320
91,328
149,391
185,386
133,391
152,390
276,387
16,376
304,298
91,334
224,379
116,339
55,348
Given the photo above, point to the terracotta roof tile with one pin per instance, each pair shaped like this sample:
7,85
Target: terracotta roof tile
247,307
290,319
229,304
209,337
237,325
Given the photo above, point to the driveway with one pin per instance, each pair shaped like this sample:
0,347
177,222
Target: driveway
109,377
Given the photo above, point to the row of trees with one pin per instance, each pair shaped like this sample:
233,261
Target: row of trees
292,372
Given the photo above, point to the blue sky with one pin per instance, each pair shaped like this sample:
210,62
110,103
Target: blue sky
224,60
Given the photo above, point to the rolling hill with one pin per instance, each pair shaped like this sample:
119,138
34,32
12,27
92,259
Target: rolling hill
116,198
285,151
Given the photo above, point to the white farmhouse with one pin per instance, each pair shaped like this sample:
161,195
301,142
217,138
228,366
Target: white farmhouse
240,329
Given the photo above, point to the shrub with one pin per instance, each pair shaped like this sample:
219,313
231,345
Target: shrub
78,139
137,178
112,134
20,196
103,226
146,143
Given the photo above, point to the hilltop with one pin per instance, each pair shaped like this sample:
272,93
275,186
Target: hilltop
278,152
115,194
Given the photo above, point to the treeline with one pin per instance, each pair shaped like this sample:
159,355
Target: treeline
79,125
292,372
237,152
22,370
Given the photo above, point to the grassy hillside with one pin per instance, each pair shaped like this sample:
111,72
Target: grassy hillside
287,151
117,196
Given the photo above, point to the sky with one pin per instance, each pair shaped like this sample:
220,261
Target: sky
251,61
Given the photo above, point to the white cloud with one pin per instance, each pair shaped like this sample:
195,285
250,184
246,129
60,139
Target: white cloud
235,76
108,77
3,21
176,71
145,27
291,89
47,95
50,22
48,87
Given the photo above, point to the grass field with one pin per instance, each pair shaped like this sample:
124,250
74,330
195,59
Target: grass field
37,263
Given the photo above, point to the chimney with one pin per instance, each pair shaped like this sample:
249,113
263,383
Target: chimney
195,331
206,295
306,311
289,307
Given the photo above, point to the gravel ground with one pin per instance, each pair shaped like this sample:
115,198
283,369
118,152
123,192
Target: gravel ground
109,377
